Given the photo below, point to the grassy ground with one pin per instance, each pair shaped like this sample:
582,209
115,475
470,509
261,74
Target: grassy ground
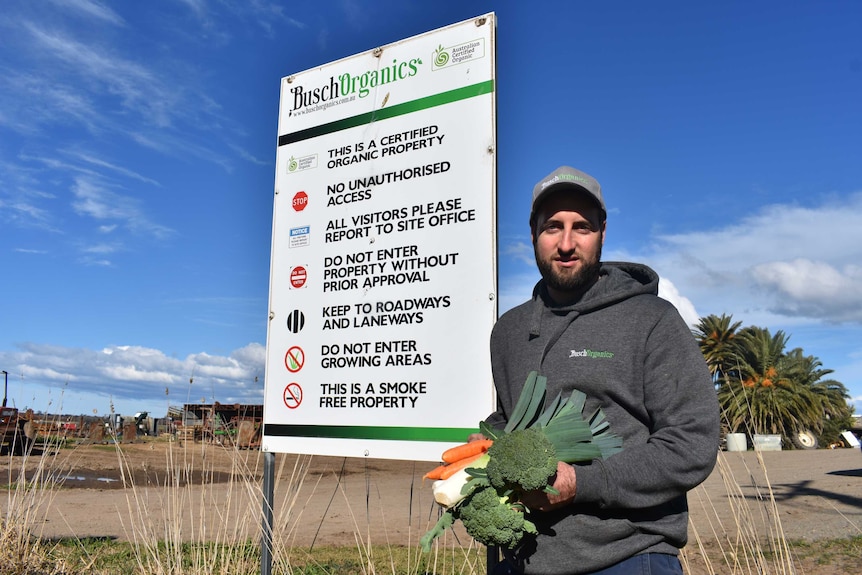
106,557
100,556
203,546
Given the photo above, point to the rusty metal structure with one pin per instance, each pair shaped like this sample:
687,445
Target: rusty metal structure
16,429
237,425
230,425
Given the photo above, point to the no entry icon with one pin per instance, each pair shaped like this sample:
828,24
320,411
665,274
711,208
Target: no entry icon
298,275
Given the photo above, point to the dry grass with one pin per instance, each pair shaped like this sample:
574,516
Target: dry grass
208,527
30,488
197,536
755,543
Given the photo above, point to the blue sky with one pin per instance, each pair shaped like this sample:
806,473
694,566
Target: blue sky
137,155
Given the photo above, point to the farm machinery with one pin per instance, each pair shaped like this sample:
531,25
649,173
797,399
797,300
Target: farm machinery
17,431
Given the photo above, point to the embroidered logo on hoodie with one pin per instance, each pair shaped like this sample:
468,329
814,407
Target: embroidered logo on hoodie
590,353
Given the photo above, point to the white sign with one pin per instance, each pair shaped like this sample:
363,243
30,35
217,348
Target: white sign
383,286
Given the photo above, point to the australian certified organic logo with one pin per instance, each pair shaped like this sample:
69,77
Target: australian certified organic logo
590,353
347,86
299,164
441,56
458,54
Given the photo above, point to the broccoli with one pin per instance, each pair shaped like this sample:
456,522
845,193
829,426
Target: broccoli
487,494
446,520
522,460
493,520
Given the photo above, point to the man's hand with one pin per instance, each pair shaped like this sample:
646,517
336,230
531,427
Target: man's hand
564,481
475,437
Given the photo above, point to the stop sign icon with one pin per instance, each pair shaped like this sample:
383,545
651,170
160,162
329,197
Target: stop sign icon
300,200
298,275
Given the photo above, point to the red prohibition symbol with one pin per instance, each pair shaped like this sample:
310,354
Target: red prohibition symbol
294,359
298,275
292,395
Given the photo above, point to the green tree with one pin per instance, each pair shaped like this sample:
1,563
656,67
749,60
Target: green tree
764,389
831,394
716,336
758,394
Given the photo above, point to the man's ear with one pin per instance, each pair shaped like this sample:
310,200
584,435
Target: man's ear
604,229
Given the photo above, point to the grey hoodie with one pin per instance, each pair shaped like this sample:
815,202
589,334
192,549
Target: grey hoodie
634,357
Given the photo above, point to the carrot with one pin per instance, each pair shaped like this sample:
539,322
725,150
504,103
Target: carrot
457,466
436,472
447,470
459,452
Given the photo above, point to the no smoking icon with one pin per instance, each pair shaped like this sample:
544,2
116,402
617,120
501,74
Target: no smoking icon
292,395
294,359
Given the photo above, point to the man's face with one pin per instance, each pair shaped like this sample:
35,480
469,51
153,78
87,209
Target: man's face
567,239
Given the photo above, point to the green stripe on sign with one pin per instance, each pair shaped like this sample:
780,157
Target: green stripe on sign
457,434
384,113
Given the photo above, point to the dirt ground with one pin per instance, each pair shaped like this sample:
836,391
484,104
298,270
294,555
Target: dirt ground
214,491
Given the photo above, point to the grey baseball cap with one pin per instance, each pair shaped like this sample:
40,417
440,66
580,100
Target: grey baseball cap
566,178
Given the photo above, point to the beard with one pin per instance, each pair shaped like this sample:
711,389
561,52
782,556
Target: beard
572,281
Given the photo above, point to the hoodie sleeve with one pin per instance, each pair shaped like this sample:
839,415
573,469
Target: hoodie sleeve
678,449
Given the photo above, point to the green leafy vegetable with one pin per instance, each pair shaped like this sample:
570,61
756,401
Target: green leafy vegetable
485,496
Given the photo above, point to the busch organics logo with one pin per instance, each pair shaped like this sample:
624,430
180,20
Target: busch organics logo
566,177
458,54
345,87
590,353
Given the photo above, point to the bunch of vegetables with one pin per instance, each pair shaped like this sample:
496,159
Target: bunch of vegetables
481,482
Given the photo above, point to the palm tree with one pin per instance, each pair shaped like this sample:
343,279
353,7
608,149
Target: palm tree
716,335
758,393
764,389
832,396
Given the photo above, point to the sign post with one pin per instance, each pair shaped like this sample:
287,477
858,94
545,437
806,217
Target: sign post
383,282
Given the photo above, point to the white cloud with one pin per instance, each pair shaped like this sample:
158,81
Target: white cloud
101,249
92,159
519,251
785,267
92,9
138,89
95,200
96,262
668,291
784,260
133,378
813,289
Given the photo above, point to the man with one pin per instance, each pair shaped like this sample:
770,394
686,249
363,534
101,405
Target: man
600,328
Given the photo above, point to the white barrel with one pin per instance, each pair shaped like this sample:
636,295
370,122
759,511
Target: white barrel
737,442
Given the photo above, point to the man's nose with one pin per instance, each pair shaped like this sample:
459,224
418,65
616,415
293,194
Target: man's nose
567,241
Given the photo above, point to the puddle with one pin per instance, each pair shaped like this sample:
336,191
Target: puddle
83,478
112,478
